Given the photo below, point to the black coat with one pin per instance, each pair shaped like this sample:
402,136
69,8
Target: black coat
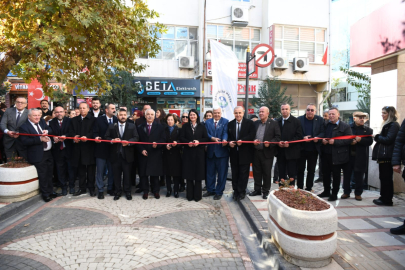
193,157
384,148
172,158
399,148
102,112
341,148
130,134
102,150
152,165
35,148
318,129
360,164
291,131
272,133
245,152
54,129
83,151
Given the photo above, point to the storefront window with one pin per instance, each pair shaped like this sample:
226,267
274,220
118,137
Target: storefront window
176,105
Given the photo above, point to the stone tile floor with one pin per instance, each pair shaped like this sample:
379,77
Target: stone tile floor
364,240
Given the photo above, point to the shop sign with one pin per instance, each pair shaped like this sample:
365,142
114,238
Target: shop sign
253,87
168,87
241,71
251,111
19,86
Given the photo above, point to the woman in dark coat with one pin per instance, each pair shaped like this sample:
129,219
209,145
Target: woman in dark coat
161,115
382,153
172,156
193,132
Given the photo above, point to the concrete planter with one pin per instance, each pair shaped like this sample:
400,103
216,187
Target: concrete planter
18,184
305,238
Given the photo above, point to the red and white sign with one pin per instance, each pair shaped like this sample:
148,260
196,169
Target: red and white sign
36,94
251,111
253,87
176,112
241,71
264,55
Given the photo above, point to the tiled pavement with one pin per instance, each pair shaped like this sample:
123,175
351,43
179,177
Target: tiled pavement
364,240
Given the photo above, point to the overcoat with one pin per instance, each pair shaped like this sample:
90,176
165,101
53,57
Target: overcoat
247,133
84,150
172,158
360,163
291,131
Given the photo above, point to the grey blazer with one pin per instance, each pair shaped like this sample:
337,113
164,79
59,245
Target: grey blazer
8,121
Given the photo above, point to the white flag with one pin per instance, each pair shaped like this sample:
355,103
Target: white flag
224,78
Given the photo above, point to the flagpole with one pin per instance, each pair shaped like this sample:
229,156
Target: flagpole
247,82
203,69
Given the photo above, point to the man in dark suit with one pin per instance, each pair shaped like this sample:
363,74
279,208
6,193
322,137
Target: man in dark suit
150,155
45,108
142,120
11,121
288,154
81,127
102,150
38,152
217,155
241,154
96,110
267,131
312,127
62,149
122,153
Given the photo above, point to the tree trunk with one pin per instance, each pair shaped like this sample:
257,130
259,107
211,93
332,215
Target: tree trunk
10,59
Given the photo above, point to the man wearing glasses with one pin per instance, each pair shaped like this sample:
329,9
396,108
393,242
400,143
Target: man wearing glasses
312,127
11,121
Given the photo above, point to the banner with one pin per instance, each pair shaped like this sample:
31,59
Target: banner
224,78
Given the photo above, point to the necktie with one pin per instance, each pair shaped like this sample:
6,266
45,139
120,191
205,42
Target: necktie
215,125
44,144
283,121
109,121
238,131
61,145
18,118
149,129
121,130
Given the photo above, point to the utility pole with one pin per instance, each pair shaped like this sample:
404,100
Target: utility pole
247,82
203,69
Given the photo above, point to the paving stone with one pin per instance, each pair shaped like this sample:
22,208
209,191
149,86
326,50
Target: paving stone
11,262
356,224
209,264
380,239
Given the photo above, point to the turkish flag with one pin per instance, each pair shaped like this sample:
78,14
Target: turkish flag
325,56
35,94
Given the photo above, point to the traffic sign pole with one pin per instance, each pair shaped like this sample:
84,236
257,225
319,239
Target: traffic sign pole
247,82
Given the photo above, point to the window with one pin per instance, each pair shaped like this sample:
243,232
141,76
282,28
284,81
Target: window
178,41
236,38
292,41
241,1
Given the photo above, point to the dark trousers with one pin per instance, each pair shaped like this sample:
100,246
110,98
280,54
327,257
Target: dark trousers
285,165
358,179
66,177
87,176
307,159
121,167
262,172
328,168
154,184
45,171
275,176
175,182
386,182
240,176
194,190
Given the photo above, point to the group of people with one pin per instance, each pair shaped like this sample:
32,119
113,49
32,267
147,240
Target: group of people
159,146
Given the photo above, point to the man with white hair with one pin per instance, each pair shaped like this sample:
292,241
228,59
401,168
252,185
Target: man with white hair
217,154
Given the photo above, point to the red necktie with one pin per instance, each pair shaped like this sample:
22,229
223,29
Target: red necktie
61,144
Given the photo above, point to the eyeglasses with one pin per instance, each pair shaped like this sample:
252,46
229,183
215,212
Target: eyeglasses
184,117
310,110
20,102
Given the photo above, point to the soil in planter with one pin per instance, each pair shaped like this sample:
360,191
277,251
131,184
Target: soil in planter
16,165
300,200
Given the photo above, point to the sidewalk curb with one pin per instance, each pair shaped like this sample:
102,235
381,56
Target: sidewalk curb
259,225
16,207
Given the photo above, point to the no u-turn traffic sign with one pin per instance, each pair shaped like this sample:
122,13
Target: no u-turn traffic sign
264,55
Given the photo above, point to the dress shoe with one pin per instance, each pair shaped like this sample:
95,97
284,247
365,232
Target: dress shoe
255,193
319,180
169,193
332,198
345,196
324,195
55,195
182,188
358,198
217,197
117,197
128,196
157,195
64,191
110,192
398,230
235,195
92,193
47,199
138,190
205,188
379,202
100,195
176,194
145,196
265,195
207,194
72,191
242,196
79,192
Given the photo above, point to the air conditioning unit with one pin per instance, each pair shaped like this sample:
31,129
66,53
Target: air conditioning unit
280,63
186,62
300,64
240,16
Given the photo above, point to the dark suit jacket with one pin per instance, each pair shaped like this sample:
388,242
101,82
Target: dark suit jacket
35,148
8,121
318,129
102,112
54,129
291,131
152,165
82,150
221,132
362,147
102,150
130,134
272,133
340,148
142,120
247,133
172,158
